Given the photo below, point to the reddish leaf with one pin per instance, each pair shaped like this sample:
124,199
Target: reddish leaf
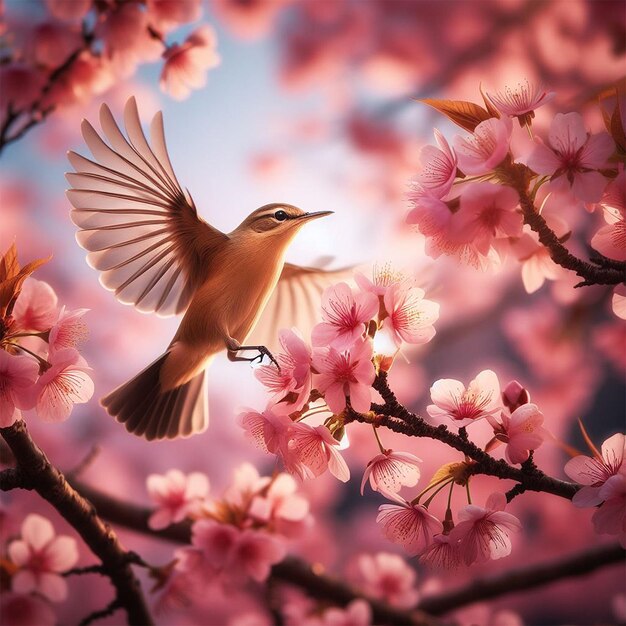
11,287
9,265
464,114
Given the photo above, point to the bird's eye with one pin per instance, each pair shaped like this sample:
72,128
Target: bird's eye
281,216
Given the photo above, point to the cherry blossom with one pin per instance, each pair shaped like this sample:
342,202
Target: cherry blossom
572,158
389,471
41,557
487,211
69,330
345,316
52,43
177,496
442,553
348,374
17,379
410,316
521,431
186,65
25,610
439,166
610,240
593,472
36,306
291,384
410,525
70,10
312,450
20,86
357,613
618,301
247,483
452,400
486,148
522,101
610,518
383,277
65,383
254,553
515,395
388,577
268,430
483,533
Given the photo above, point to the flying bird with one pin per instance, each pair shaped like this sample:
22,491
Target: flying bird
143,233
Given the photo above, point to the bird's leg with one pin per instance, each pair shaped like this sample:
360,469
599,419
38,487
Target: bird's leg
233,347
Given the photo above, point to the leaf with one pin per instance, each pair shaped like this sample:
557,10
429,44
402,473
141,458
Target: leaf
490,108
446,472
588,441
9,265
11,287
464,114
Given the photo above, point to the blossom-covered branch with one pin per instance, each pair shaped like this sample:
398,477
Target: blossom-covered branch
33,471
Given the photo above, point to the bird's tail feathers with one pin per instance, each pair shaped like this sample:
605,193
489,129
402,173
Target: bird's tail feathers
147,411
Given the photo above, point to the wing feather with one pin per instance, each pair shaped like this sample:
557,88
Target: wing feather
295,302
141,230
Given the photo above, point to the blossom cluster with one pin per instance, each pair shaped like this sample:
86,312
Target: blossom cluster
34,565
467,199
338,369
59,61
234,538
40,366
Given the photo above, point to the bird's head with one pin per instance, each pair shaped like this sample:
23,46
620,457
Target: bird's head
278,220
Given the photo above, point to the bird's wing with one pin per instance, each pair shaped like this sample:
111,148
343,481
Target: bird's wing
296,301
141,229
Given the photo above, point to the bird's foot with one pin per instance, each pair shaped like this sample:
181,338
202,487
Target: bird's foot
262,352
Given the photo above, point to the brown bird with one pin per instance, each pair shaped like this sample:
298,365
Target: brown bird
144,235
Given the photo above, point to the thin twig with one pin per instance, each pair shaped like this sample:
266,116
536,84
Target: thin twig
35,472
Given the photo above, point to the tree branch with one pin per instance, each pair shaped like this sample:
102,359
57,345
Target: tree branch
398,418
35,472
524,578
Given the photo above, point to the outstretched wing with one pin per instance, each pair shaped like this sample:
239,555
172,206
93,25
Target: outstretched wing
141,229
296,301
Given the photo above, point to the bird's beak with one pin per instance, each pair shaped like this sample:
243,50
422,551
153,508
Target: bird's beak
313,216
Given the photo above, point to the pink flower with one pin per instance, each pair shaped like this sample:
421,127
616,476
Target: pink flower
592,473
36,306
618,301
348,374
487,211
17,380
52,43
177,496
442,553
25,610
186,65
483,533
463,406
383,277
521,102
20,86
486,148
410,525
167,14
41,557
64,384
313,450
248,20
69,10
522,432
254,553
388,577
282,507
610,518
291,384
573,157
215,541
514,395
69,330
410,316
610,240
269,431
439,167
389,471
357,613
345,317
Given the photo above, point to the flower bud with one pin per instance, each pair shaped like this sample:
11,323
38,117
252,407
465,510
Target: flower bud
514,396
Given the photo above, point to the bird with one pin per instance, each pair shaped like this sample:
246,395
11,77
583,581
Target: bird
142,232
